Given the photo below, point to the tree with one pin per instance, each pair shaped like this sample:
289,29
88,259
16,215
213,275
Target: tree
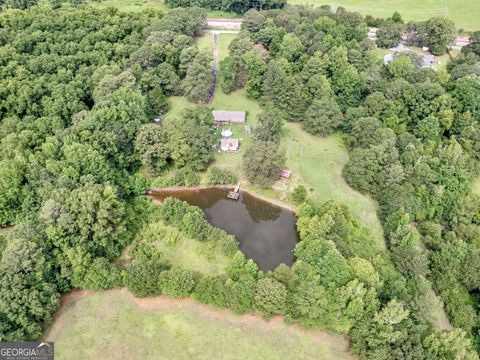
299,194
190,138
219,176
270,297
255,66
240,294
177,282
154,147
291,48
467,92
28,293
269,127
440,33
142,278
211,290
449,345
322,117
261,162
390,34
198,78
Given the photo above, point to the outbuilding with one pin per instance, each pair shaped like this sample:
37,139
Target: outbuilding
229,144
284,173
228,117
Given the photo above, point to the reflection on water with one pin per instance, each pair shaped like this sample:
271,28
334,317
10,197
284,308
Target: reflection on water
266,233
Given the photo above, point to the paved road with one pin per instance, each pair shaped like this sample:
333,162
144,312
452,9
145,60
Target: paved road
221,31
225,23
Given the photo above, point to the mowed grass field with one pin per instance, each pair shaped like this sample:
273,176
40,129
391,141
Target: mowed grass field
115,325
465,13
317,163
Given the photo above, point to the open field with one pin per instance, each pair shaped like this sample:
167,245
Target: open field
464,13
115,325
140,5
317,163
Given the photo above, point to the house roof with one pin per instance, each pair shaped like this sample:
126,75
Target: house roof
228,116
229,144
428,60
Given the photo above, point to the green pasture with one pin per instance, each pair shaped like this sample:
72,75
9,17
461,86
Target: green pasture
465,13
114,325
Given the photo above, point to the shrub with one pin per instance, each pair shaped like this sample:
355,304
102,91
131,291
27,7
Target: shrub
142,278
299,194
270,297
211,290
240,294
220,177
195,225
177,282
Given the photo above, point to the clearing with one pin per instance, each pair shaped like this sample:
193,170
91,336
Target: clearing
315,162
114,324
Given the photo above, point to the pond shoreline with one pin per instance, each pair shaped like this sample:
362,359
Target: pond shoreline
229,187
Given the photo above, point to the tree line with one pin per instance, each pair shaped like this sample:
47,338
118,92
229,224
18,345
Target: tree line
79,90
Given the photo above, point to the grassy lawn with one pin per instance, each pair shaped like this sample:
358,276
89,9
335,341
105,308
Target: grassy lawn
115,325
317,163
464,13
476,186
130,5
139,5
187,253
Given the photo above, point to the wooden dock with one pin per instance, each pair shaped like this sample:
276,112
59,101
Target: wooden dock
235,194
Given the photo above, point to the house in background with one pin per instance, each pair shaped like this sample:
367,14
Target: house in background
221,117
228,144
428,61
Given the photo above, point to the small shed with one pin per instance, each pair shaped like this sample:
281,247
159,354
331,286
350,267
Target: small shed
284,173
229,144
428,61
228,117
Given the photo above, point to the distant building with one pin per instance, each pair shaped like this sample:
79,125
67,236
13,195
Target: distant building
428,61
229,144
283,173
228,117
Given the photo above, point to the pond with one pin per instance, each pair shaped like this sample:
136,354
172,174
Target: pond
265,232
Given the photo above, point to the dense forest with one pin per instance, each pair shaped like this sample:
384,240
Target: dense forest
79,89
